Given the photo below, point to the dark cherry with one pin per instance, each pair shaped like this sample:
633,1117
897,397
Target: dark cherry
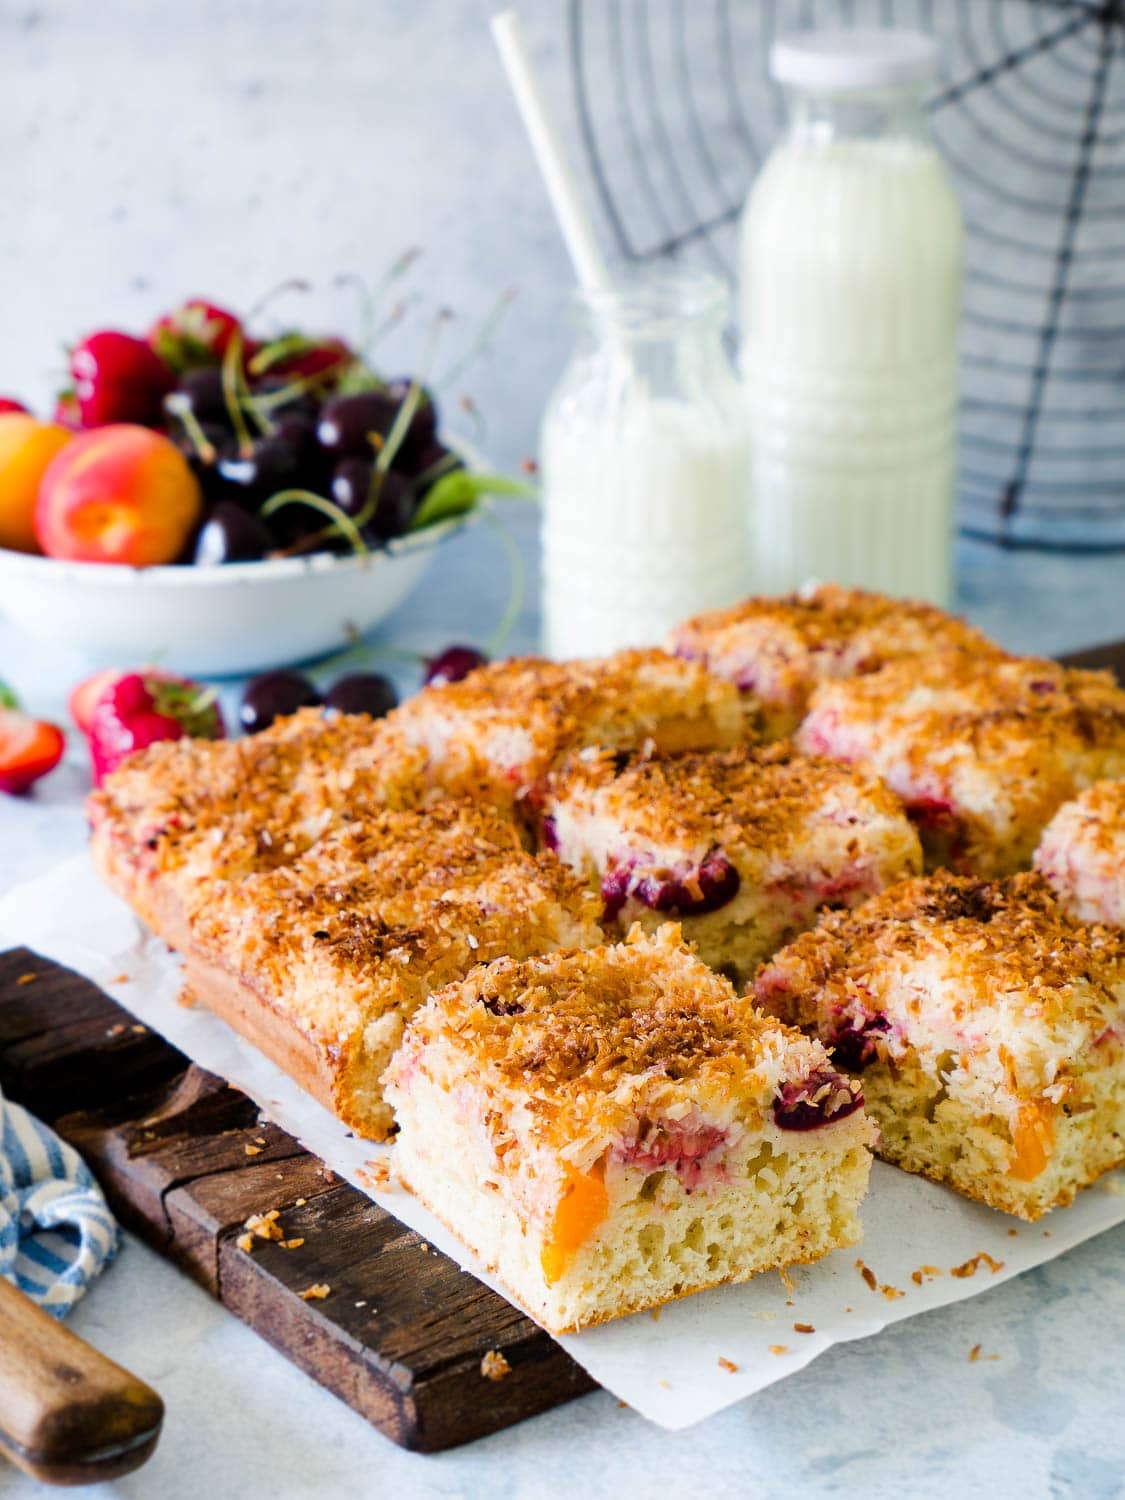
394,509
798,1107
272,696
361,693
615,891
351,484
297,428
717,880
346,422
549,834
231,534
423,424
296,401
854,1047
200,391
454,663
427,464
271,466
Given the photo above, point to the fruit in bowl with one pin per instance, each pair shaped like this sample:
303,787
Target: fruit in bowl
27,448
118,494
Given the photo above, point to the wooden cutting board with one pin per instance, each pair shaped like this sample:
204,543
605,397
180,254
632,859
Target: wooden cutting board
402,1332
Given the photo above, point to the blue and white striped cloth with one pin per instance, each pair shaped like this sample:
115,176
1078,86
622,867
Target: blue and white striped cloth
56,1232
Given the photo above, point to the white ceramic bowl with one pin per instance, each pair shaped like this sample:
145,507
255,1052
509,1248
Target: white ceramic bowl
219,621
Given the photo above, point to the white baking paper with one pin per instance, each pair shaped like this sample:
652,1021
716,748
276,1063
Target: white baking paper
702,1353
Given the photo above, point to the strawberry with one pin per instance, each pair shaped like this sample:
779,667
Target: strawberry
195,333
29,748
118,378
9,403
136,709
298,358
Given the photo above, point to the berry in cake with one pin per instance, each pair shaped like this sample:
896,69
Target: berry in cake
507,724
983,751
1082,854
742,846
779,649
987,1026
611,1129
321,961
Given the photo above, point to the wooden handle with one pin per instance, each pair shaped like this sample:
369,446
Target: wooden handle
68,1415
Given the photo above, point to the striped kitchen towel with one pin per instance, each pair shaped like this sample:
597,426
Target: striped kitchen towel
56,1232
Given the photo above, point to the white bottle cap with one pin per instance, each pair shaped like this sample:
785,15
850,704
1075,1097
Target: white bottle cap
865,58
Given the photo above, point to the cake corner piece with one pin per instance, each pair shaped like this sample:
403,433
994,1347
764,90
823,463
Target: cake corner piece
614,1128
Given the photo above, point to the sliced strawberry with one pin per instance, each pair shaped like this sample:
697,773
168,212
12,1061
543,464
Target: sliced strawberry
136,709
195,333
9,403
29,748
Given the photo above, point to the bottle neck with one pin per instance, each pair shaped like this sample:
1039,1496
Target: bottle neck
820,119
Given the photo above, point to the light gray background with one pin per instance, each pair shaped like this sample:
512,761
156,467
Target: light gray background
154,150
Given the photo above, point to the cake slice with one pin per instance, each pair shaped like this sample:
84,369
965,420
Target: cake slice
988,1028
184,813
321,960
742,846
779,649
611,1129
1082,854
507,724
982,750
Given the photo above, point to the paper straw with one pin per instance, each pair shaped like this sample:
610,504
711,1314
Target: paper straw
558,175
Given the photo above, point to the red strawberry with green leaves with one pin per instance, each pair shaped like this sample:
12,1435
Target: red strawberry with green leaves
29,748
142,708
195,333
118,378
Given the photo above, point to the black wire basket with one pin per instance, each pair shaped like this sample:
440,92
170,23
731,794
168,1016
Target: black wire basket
677,112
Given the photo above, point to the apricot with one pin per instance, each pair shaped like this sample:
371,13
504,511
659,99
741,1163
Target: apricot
582,1207
118,494
26,449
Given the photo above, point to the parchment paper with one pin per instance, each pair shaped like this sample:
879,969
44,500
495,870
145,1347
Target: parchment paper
675,1369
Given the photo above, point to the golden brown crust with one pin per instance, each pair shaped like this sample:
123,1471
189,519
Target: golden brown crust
508,723
570,1037
753,796
993,746
780,648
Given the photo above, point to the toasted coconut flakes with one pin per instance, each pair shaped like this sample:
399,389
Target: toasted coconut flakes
656,1315
924,1273
139,1029
315,1293
728,1364
29,978
494,1366
376,1174
252,1150
246,1242
293,1244
265,1226
779,1348
891,1292
300,1202
974,1354
868,1275
1012,1233
970,1267
803,1328
117,979
786,1280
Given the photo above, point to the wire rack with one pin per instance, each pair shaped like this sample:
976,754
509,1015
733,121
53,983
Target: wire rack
677,112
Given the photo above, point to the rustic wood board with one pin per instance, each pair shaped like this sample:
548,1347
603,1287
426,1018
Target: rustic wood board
402,1333
400,1336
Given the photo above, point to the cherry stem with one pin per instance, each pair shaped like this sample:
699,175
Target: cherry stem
232,366
342,521
481,341
291,284
204,447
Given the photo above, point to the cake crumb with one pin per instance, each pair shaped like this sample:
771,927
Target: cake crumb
664,1386
891,1292
974,1354
265,1226
803,1328
139,1029
786,1280
868,1275
494,1366
375,1174
293,1244
728,1365
246,1242
924,1273
361,1303
252,1150
28,978
970,1267
317,1292
656,1315
300,1203
425,1249
779,1348
1012,1233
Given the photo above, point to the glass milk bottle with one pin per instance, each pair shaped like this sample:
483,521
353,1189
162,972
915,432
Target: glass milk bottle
850,301
644,469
